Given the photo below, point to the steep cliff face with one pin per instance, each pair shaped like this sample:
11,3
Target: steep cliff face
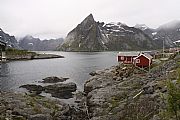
90,35
10,40
85,37
31,43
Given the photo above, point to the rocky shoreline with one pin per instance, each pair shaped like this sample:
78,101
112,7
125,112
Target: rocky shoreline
122,92
24,107
127,93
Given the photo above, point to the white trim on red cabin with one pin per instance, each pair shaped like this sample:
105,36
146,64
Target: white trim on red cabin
145,55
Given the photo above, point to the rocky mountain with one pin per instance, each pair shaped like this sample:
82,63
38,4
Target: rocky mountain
123,37
10,40
35,44
90,35
149,31
169,33
85,37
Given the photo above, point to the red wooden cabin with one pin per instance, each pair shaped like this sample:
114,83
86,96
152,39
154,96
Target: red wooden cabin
127,57
143,60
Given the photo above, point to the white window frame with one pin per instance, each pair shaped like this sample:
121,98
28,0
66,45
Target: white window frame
137,60
122,57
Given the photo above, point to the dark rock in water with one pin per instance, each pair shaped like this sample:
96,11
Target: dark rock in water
93,73
71,87
54,79
31,88
61,90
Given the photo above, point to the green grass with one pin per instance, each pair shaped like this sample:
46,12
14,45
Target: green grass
12,51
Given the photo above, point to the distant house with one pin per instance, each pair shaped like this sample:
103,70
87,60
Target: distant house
127,57
137,58
143,60
174,50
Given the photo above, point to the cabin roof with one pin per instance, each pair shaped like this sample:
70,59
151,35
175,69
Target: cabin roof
148,56
128,53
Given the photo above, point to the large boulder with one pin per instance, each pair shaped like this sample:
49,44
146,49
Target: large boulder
63,91
33,88
54,79
71,87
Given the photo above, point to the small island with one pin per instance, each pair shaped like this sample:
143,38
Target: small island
15,54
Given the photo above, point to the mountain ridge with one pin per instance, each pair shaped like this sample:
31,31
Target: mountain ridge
35,44
168,32
10,40
90,35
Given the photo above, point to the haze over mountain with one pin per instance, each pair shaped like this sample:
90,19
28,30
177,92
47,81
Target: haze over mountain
30,43
46,19
169,33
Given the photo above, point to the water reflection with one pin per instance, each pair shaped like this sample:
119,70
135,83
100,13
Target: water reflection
4,70
4,73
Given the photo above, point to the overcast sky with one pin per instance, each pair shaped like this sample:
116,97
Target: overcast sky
55,18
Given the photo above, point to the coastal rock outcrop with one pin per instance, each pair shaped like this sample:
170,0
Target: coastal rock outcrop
33,88
125,92
59,90
24,107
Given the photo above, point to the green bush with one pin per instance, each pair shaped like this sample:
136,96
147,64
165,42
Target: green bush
173,98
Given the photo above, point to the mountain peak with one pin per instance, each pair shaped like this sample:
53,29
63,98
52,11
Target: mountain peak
141,26
88,20
29,37
90,16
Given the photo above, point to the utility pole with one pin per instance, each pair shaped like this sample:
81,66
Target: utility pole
163,48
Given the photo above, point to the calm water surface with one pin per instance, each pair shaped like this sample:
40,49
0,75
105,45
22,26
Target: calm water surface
75,65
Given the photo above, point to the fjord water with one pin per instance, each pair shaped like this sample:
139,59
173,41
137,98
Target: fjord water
75,65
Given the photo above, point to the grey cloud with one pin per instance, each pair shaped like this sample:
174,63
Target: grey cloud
55,18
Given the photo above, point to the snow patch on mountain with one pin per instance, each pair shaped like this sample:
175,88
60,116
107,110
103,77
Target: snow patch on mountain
154,33
178,41
141,26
